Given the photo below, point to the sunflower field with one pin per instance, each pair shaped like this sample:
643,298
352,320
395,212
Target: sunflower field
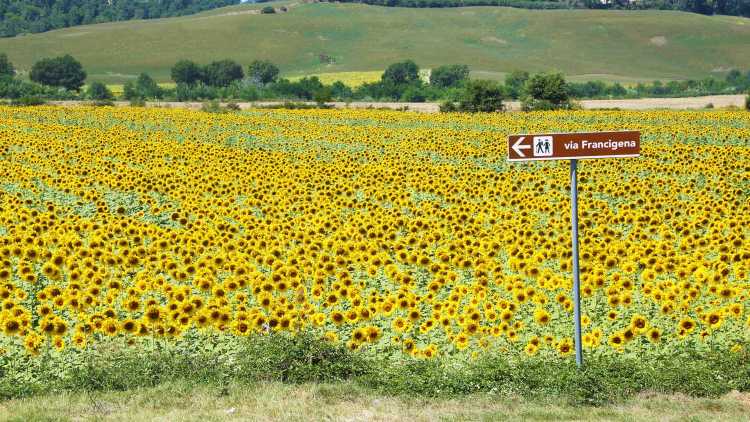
387,232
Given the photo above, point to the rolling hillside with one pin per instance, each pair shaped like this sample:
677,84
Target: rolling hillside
323,37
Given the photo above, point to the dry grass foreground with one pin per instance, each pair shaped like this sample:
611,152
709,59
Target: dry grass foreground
347,402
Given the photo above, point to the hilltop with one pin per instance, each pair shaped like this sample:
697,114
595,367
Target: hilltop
325,37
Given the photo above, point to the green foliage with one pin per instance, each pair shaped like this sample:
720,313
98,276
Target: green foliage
262,72
323,95
218,360
545,91
28,100
186,72
6,67
21,16
449,75
146,87
481,96
16,88
268,10
515,81
98,91
402,73
222,73
63,71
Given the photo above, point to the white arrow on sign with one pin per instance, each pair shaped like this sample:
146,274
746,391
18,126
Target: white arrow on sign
517,147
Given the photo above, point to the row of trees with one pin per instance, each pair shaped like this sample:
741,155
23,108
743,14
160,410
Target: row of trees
24,16
63,77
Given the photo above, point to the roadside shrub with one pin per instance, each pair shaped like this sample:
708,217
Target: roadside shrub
212,107
448,107
545,91
233,106
28,100
147,88
481,96
323,95
267,10
99,92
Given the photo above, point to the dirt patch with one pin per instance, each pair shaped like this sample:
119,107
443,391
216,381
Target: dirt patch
74,34
495,40
659,41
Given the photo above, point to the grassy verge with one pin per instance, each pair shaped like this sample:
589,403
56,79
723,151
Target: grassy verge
349,401
220,362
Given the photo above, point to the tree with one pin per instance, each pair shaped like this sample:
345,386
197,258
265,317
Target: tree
450,75
99,92
64,71
263,72
546,91
403,73
481,96
186,72
323,95
146,87
514,82
6,67
222,73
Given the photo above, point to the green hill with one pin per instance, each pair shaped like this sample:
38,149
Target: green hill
325,37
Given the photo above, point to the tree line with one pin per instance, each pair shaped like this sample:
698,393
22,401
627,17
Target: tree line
31,16
64,77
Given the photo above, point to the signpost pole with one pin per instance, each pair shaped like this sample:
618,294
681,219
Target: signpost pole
574,146
576,275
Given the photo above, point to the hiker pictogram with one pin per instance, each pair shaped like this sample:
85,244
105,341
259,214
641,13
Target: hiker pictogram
543,146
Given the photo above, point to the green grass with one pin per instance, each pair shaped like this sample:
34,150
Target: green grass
347,401
586,44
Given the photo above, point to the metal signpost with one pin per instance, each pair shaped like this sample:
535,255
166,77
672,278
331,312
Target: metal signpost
574,146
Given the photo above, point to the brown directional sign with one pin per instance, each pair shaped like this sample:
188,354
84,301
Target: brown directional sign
567,146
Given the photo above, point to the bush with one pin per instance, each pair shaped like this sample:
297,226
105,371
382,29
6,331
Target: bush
448,76
262,72
323,95
64,71
546,92
222,73
448,107
413,94
6,67
514,83
27,101
146,87
212,107
481,96
99,92
186,72
403,73
267,10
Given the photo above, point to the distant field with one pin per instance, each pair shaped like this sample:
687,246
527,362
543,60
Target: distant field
327,38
